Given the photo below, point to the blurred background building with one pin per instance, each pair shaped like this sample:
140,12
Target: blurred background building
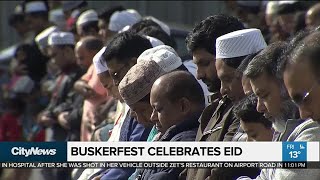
180,14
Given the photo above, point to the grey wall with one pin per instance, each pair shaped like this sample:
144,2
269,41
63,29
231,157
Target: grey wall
183,14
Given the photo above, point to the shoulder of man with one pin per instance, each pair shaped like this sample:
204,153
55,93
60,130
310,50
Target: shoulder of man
309,130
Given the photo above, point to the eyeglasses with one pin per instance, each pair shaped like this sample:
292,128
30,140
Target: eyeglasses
300,99
119,74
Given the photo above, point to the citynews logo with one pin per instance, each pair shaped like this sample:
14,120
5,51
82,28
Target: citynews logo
33,151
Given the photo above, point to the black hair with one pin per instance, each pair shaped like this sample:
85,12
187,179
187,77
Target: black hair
86,27
182,68
266,61
159,33
125,46
246,111
292,46
290,8
26,48
244,63
106,13
309,48
41,14
137,27
63,46
35,62
15,18
92,43
234,62
145,99
300,23
182,84
205,33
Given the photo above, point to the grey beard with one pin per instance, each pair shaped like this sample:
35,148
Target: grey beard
279,125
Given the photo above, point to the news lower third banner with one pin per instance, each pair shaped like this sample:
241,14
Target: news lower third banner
159,154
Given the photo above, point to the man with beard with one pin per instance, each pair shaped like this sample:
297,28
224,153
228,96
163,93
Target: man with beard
274,102
201,43
303,87
273,99
231,50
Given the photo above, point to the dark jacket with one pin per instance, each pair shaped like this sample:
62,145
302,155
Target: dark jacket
222,126
73,105
64,84
185,131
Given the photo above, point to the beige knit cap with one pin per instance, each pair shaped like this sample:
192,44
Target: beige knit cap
138,81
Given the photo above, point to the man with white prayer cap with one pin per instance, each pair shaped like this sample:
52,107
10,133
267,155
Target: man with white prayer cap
37,15
120,19
104,20
231,49
286,13
88,86
87,23
71,11
42,39
175,62
136,85
61,52
130,129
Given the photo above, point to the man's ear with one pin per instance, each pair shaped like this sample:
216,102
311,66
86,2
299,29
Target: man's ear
185,105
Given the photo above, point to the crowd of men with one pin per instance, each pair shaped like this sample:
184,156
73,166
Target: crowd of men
113,75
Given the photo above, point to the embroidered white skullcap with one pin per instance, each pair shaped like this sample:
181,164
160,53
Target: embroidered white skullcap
87,16
165,56
35,6
137,83
154,41
163,26
240,43
42,38
100,65
23,85
121,19
61,38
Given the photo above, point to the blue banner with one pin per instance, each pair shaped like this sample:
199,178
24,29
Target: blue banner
294,151
33,152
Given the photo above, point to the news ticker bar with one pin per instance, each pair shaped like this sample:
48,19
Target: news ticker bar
118,152
284,165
